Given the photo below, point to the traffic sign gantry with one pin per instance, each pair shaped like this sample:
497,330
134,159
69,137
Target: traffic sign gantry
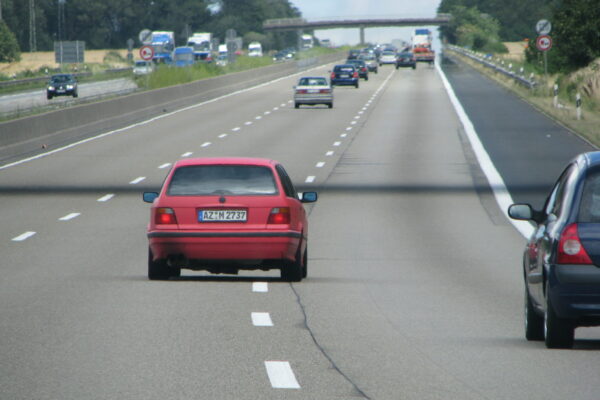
146,53
543,43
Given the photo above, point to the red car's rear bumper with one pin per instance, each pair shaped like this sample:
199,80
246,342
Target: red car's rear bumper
266,245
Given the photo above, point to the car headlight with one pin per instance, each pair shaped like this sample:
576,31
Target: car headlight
69,87
50,87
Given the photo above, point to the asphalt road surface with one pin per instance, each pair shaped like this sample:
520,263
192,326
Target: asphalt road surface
414,289
25,101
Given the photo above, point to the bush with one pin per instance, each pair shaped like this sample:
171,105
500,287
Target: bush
9,47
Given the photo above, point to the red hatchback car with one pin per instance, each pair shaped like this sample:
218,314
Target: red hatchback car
226,214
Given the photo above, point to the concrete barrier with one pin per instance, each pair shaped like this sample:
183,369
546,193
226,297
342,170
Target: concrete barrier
32,135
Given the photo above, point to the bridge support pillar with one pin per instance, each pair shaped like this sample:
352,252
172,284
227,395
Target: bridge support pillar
362,35
300,32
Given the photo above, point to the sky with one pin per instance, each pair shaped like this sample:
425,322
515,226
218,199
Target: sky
334,9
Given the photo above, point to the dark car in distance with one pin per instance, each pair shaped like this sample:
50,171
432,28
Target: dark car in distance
406,59
561,261
353,54
61,85
344,74
361,67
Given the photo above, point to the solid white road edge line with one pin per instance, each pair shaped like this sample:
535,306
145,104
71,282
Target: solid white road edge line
503,197
281,375
23,236
69,216
106,198
261,319
260,287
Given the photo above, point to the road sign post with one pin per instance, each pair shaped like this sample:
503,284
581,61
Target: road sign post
544,44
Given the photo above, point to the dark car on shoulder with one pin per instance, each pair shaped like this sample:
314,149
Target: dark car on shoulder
344,75
361,67
62,85
561,261
406,59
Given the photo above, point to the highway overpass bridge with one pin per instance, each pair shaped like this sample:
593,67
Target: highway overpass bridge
301,24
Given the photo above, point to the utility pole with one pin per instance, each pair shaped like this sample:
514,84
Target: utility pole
61,19
32,34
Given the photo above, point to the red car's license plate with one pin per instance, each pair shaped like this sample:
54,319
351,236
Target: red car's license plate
222,215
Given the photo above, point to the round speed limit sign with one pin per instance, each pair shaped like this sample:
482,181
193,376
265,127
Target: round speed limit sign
543,43
146,53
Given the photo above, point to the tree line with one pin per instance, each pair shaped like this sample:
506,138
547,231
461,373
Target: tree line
109,24
484,24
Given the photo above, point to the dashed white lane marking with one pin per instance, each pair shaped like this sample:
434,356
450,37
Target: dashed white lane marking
343,135
261,319
289,101
106,198
353,123
329,153
337,143
189,153
320,164
282,105
258,117
281,375
206,144
364,109
349,128
310,179
69,217
222,135
148,121
137,180
267,112
357,117
237,128
275,108
165,165
248,123
361,111
260,287
23,236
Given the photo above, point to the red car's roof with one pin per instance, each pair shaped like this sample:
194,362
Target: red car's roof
226,161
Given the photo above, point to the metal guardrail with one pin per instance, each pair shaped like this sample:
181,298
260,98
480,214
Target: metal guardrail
45,78
486,61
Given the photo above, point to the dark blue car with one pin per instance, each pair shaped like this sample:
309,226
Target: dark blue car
561,262
344,74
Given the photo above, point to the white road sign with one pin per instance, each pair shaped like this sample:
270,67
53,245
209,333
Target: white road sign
145,36
543,43
146,53
543,27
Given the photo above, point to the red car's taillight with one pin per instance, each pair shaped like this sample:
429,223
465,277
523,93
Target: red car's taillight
333,75
301,91
324,91
570,249
165,216
280,215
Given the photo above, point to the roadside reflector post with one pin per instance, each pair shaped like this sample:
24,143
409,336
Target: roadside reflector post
578,105
555,100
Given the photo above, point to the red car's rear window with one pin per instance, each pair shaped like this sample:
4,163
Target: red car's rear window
205,180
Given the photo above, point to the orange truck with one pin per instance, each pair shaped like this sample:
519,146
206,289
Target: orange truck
424,54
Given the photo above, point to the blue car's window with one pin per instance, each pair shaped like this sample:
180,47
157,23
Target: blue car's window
202,180
589,210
